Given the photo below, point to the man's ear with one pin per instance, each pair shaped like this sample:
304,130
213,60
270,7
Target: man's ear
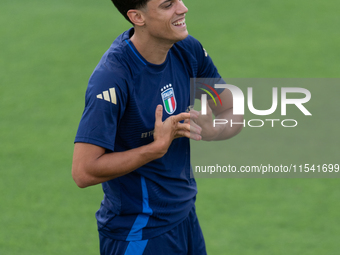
136,17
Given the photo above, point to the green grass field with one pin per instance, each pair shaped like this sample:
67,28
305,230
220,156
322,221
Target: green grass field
50,48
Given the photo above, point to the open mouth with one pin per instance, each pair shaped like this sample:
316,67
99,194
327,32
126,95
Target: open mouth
179,23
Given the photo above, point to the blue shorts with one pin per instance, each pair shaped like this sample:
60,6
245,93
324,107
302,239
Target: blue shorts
184,239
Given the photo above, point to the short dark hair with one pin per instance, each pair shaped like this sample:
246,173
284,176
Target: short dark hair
124,6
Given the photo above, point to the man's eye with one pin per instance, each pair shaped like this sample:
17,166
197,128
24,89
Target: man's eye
169,5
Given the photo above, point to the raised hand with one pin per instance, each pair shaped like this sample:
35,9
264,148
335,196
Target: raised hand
172,128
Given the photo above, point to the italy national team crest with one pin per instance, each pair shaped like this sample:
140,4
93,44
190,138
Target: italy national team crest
169,100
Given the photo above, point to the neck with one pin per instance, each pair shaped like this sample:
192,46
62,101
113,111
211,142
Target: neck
153,50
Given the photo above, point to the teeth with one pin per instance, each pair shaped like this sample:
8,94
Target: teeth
179,23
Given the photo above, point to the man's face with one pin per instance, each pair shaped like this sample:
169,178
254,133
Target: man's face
164,20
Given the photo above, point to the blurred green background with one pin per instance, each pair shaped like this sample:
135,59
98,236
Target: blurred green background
50,48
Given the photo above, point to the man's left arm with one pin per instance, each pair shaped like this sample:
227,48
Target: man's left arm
221,128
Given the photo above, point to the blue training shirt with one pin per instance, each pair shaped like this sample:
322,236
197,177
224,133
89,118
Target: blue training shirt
122,95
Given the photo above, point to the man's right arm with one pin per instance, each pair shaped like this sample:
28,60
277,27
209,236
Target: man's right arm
92,165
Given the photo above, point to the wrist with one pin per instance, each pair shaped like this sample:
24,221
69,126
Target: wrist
155,150
214,133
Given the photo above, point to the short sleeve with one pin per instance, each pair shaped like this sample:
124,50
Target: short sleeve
207,73
206,67
105,102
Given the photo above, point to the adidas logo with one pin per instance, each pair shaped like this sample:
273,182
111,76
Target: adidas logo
109,95
205,53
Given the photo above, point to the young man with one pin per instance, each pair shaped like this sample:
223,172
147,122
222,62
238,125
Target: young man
134,133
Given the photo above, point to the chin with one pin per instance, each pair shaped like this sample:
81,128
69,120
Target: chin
182,36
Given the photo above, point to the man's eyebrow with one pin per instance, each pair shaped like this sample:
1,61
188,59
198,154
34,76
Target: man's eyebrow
165,2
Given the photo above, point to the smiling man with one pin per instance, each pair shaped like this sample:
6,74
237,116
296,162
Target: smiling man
133,136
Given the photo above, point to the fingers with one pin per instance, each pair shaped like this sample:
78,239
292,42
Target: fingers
192,127
195,128
189,128
192,131
174,125
159,114
180,117
190,135
194,114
